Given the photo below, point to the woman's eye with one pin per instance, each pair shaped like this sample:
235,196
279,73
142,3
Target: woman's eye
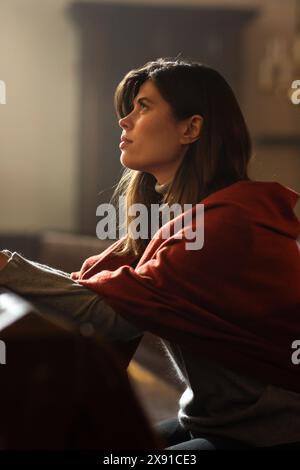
143,105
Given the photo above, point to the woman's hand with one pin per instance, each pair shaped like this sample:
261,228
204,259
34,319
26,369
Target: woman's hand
3,260
75,275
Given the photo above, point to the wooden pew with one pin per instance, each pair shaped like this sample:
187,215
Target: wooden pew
63,388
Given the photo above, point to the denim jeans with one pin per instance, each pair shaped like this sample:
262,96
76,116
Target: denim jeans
176,437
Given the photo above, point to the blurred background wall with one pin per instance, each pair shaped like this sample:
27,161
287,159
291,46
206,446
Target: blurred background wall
40,125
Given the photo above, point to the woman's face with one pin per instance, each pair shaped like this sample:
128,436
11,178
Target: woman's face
155,144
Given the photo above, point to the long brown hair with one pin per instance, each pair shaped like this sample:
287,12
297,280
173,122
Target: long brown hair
217,159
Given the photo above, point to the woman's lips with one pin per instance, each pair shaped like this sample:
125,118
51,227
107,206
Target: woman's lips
124,142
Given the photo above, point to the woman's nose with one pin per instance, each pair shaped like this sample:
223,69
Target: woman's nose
124,122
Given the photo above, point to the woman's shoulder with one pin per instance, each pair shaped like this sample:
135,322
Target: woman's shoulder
251,191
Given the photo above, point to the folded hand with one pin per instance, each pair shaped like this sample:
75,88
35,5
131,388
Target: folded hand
75,275
3,260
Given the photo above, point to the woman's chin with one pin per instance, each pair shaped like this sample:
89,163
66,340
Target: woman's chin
128,163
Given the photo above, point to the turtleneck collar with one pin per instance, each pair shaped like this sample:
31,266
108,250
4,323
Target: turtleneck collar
161,188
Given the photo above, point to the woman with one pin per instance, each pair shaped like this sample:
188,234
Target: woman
228,311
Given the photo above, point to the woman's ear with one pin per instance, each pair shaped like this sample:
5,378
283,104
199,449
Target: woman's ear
191,129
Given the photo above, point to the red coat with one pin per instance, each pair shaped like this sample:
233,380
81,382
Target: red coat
236,300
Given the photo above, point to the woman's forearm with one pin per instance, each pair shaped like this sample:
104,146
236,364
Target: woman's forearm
54,292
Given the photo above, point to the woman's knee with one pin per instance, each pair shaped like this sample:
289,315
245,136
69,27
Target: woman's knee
171,431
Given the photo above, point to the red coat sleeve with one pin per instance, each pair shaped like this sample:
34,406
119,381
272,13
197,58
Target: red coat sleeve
105,260
178,289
